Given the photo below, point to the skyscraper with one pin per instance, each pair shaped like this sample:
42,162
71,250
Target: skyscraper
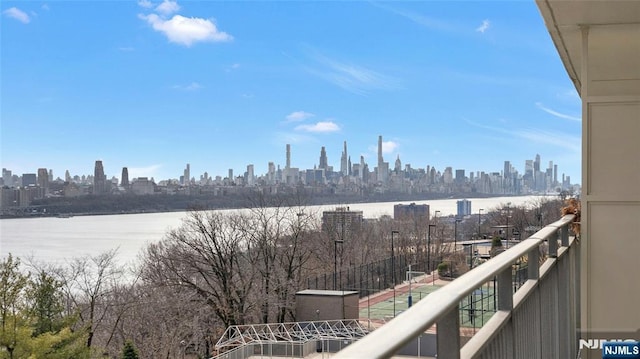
463,208
344,161
288,159
380,160
7,177
187,175
250,180
43,180
125,177
323,159
99,179
383,167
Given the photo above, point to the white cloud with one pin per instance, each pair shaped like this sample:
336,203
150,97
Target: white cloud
126,48
298,116
17,14
558,114
484,27
45,7
567,141
186,31
353,78
320,127
190,87
389,146
145,4
571,143
148,171
168,7
422,20
232,67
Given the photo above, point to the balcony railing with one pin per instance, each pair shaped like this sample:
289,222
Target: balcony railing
538,320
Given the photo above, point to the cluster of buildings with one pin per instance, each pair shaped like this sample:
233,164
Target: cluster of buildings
350,179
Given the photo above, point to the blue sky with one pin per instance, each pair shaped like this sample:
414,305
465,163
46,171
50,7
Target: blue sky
153,85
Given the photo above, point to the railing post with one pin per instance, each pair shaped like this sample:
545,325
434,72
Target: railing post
448,334
553,246
564,235
533,266
505,295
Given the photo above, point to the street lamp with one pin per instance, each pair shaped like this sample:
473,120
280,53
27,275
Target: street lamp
429,247
335,262
479,217
472,247
393,260
508,231
455,234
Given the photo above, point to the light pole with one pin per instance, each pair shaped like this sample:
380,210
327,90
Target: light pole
455,235
393,260
479,217
508,231
335,262
508,215
429,248
473,253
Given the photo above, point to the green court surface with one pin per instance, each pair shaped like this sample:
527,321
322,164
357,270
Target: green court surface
476,309
384,310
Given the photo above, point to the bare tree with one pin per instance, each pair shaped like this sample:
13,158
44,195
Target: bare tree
206,254
277,228
88,283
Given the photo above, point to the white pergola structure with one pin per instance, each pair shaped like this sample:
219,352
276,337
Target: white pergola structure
296,332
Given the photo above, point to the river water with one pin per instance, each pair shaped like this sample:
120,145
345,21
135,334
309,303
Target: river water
56,240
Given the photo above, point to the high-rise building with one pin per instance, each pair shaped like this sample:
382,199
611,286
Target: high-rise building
29,179
288,159
187,176
7,177
99,179
341,223
324,165
124,182
344,161
398,165
43,180
413,212
507,169
250,179
380,159
382,173
463,208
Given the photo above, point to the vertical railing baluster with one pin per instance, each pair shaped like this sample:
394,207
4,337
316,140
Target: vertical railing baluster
505,296
448,334
564,235
553,246
533,263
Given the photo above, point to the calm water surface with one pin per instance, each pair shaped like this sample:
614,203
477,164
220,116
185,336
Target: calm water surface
59,239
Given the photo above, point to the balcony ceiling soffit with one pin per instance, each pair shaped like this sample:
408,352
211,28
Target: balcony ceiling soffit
614,37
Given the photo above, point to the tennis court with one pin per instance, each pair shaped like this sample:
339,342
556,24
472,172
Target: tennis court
475,309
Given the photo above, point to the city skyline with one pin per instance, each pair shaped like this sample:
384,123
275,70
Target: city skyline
446,85
530,166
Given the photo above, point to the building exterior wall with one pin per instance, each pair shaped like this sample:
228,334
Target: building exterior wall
611,193
314,305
